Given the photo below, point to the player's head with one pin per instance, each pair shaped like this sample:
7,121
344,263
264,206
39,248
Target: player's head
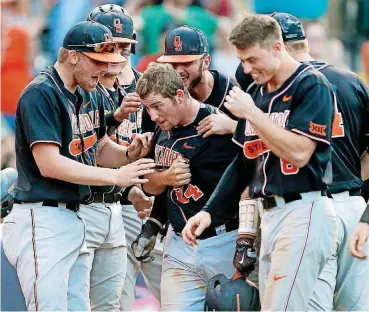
259,44
164,95
187,49
293,33
316,34
120,24
87,50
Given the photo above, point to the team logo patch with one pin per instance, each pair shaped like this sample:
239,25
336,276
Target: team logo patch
317,129
177,43
286,98
118,26
252,149
75,147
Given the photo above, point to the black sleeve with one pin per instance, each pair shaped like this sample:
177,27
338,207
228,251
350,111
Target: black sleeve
102,129
40,118
312,113
147,124
365,216
223,203
159,211
364,96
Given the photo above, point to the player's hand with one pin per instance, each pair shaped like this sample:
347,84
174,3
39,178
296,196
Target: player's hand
129,175
178,173
216,124
195,226
140,146
245,256
141,202
131,104
145,241
240,104
358,239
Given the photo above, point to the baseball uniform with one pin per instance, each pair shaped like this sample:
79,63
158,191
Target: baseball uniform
208,159
345,279
298,221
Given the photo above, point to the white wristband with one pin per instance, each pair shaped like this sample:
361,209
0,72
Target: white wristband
249,215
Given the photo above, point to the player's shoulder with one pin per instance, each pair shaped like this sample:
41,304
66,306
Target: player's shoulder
338,73
205,110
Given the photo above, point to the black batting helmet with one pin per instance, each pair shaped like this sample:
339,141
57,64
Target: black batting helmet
117,20
238,294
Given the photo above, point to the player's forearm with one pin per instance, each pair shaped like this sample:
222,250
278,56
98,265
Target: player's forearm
110,154
291,147
157,183
365,166
77,173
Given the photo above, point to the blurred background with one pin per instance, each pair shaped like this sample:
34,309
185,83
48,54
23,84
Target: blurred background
32,32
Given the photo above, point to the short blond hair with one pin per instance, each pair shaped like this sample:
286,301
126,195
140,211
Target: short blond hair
256,29
62,55
160,79
299,46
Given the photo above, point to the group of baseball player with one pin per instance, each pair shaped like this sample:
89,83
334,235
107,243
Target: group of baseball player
181,175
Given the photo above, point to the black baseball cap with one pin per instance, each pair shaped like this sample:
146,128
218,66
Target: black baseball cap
292,29
184,44
94,40
119,23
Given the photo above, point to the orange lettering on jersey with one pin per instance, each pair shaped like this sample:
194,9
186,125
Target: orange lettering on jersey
337,128
252,149
75,147
317,129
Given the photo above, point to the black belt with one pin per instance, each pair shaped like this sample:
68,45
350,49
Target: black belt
354,192
106,198
270,202
54,203
211,232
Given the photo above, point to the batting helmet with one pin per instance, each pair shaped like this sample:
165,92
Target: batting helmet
238,294
117,20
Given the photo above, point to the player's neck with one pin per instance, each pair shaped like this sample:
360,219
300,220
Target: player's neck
126,76
190,111
287,68
302,57
108,81
204,88
66,75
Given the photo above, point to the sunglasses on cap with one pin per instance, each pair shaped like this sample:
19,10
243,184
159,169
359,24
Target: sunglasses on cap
103,47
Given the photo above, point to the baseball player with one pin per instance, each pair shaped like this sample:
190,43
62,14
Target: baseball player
351,113
61,137
177,141
285,134
187,50
123,111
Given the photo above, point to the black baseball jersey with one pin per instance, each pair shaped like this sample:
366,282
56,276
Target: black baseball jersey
222,85
303,105
348,133
47,112
208,159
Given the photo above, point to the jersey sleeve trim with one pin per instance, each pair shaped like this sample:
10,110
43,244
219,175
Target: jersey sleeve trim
45,141
238,143
311,136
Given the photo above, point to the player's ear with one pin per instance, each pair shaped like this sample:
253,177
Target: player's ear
73,57
276,48
206,62
180,96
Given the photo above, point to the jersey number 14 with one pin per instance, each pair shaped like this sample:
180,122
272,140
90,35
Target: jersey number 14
192,191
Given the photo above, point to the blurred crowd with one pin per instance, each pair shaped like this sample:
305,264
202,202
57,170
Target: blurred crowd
33,30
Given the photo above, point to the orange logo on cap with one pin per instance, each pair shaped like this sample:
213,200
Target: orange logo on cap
177,43
118,26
